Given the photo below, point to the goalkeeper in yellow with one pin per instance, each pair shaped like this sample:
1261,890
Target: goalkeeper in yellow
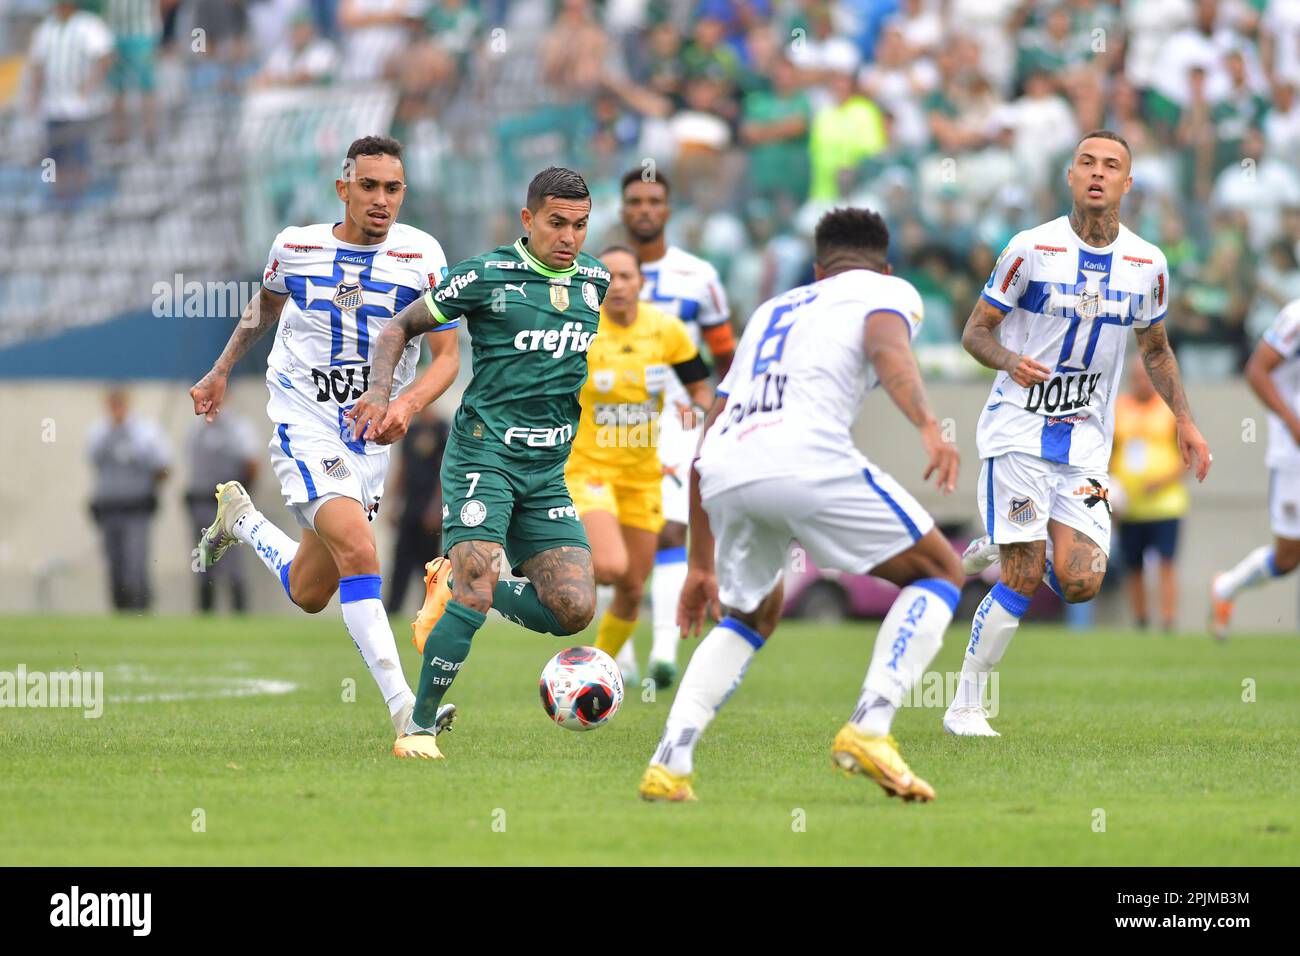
614,474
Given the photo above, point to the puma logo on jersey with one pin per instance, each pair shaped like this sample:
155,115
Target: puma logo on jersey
517,288
567,338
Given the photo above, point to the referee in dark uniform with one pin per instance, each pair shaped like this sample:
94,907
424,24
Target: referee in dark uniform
419,522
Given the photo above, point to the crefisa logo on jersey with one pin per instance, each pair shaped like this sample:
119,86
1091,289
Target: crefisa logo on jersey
1021,511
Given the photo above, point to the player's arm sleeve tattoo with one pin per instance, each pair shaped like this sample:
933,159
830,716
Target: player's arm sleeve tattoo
980,340
262,312
1162,367
406,325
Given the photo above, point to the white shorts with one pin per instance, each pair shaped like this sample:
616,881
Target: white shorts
1284,502
676,451
850,523
1018,493
314,465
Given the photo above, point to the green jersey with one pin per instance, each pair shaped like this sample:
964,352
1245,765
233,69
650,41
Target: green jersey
530,327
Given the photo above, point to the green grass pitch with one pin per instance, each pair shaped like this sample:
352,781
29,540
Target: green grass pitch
1117,748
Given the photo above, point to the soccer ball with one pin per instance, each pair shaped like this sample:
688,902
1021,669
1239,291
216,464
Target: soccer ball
581,688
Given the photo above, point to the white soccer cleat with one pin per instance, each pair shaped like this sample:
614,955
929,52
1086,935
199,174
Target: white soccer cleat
968,722
233,503
979,555
446,714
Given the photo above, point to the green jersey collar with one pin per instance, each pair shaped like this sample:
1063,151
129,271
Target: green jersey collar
537,265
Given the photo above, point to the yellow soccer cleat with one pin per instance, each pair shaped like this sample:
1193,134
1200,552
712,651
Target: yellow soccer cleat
878,758
219,537
661,784
420,746
437,592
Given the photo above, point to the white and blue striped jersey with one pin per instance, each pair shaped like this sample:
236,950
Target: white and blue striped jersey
688,287
797,381
1069,306
1284,336
340,298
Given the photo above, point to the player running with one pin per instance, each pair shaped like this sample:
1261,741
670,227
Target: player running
777,463
688,287
332,289
614,473
532,309
1273,373
1068,291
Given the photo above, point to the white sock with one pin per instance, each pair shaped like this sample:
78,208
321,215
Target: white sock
665,589
367,622
604,598
995,623
275,548
626,658
909,637
1251,570
716,670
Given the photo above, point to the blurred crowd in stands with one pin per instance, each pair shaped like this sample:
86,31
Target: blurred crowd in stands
953,117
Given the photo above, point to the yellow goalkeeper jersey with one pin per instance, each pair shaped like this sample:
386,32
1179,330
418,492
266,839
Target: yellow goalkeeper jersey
627,372
1146,453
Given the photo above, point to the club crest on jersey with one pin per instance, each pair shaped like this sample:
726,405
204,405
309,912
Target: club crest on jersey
1088,306
1022,511
348,296
334,468
590,296
472,513
559,297
603,379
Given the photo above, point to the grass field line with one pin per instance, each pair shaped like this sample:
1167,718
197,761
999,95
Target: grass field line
209,688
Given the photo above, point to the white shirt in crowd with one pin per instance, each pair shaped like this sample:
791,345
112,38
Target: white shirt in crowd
69,52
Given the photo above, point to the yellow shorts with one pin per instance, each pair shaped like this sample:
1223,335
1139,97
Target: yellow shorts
635,505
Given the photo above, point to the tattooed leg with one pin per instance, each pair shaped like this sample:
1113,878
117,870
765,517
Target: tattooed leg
475,567
1022,566
566,585
1080,562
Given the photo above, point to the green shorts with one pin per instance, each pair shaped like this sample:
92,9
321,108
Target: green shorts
133,67
523,506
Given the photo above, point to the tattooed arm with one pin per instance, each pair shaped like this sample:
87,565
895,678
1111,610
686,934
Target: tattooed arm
259,315
1161,365
979,340
436,379
367,415
888,346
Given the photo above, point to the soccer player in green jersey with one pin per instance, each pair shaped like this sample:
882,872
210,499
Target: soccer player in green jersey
532,309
